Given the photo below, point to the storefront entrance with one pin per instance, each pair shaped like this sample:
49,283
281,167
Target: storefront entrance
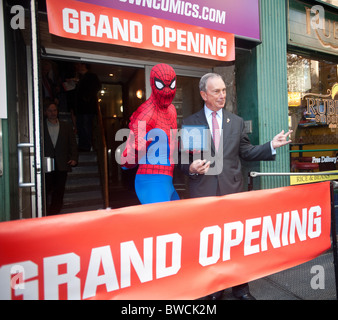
34,53
124,88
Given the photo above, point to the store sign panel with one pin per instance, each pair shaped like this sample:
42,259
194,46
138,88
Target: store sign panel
240,17
88,22
313,27
296,180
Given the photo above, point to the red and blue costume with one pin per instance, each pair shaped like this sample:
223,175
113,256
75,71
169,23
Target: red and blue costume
151,141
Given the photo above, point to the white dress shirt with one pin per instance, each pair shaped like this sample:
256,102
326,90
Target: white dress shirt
53,130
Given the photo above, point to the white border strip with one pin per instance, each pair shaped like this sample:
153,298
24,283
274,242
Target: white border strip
3,80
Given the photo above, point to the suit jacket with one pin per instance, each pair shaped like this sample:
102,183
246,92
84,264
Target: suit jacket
65,148
225,174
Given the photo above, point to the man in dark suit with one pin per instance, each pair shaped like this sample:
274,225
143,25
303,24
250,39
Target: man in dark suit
86,109
60,144
222,174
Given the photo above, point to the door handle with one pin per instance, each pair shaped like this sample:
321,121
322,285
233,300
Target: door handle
20,165
48,164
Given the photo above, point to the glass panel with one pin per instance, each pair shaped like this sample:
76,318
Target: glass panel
333,2
187,99
313,113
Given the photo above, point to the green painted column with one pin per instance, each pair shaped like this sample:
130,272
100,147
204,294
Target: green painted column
272,94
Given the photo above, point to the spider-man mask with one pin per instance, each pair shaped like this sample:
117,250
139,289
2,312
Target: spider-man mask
163,84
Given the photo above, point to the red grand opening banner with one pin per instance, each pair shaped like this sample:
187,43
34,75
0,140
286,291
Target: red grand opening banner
89,22
175,250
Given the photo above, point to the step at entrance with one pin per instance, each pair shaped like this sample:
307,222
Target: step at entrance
83,187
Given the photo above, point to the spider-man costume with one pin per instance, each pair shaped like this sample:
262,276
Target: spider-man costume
151,142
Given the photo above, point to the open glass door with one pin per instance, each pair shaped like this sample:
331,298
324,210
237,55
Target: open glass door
30,171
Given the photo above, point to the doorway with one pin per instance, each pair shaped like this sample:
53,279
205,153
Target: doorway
118,97
124,87
123,90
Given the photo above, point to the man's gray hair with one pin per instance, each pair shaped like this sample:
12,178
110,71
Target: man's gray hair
205,78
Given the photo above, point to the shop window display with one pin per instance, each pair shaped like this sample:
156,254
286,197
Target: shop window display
313,113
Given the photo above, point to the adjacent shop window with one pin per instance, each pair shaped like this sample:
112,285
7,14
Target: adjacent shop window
313,112
333,2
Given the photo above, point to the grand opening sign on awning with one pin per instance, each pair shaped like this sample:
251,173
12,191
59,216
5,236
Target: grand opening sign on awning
240,17
174,250
90,22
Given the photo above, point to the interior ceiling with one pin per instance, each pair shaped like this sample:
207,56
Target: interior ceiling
121,74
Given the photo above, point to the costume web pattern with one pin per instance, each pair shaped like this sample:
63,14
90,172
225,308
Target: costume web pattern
156,112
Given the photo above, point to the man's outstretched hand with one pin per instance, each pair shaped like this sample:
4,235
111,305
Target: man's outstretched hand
281,139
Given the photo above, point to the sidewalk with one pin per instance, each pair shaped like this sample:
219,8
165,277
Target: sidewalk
294,283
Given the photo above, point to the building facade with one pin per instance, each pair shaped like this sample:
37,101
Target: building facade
268,69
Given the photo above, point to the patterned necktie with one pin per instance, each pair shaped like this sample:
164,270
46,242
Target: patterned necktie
215,130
